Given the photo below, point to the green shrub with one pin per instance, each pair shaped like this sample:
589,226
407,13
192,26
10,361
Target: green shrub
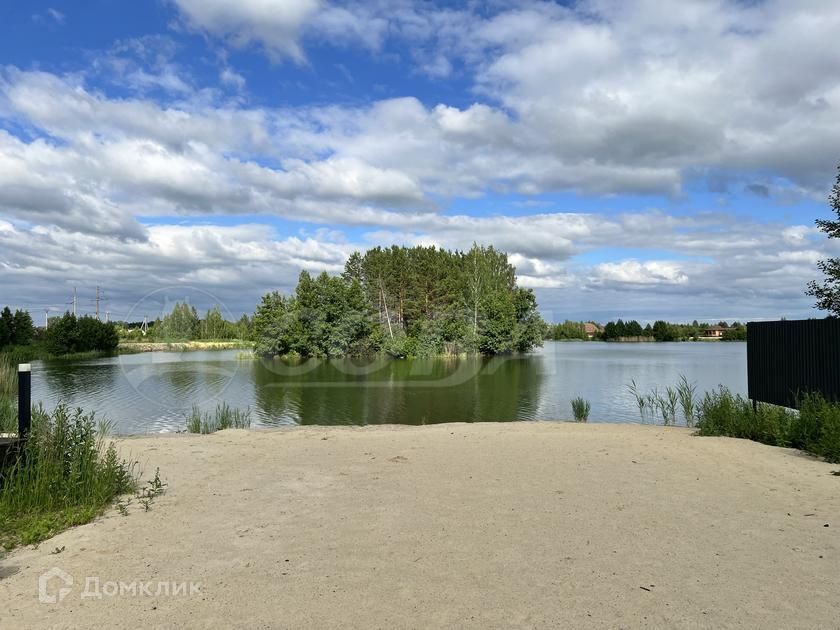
723,413
818,428
400,346
806,433
66,476
815,428
829,443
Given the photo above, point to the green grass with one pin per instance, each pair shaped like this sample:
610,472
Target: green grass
8,394
815,428
223,418
8,416
581,409
68,475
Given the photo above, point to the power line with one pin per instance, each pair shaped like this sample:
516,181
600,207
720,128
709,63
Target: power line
72,302
100,302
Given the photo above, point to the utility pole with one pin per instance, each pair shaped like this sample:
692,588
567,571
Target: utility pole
74,301
107,316
46,319
97,303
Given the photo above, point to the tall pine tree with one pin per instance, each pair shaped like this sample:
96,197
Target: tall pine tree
828,291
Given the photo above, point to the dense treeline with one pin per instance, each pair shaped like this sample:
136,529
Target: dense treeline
737,332
67,334
70,334
568,330
15,329
415,301
621,329
633,330
184,324
666,331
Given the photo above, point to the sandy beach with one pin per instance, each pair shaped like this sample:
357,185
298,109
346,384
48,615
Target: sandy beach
537,525
130,347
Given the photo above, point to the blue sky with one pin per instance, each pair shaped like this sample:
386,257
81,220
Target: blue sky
633,162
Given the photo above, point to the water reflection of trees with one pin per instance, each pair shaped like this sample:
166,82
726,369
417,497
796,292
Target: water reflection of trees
420,391
183,383
74,383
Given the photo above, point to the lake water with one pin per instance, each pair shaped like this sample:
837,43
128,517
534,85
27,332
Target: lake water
152,392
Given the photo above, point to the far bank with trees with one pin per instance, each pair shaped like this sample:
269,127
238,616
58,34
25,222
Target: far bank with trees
65,335
633,331
417,301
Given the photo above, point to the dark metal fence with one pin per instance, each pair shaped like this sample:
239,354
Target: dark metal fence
788,358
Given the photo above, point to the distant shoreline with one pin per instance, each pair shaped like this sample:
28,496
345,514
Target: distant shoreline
134,347
650,340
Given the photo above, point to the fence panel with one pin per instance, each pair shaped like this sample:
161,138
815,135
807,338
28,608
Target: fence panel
786,358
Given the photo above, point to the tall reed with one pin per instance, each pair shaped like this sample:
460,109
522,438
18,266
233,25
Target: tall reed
687,394
581,409
669,406
666,403
641,399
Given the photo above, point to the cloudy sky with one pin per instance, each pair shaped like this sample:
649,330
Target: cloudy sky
636,158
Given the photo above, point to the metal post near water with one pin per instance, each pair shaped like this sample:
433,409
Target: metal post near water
24,399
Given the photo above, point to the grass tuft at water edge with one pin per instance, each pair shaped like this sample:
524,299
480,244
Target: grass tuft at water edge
581,409
224,417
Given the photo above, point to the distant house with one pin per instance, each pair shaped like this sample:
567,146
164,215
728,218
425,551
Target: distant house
714,332
591,330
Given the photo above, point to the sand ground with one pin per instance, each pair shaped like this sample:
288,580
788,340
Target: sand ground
547,525
181,346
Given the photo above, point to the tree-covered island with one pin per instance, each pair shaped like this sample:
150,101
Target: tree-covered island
405,301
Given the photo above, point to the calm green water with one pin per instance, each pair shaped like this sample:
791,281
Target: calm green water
152,392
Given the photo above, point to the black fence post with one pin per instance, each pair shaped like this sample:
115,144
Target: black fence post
24,400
